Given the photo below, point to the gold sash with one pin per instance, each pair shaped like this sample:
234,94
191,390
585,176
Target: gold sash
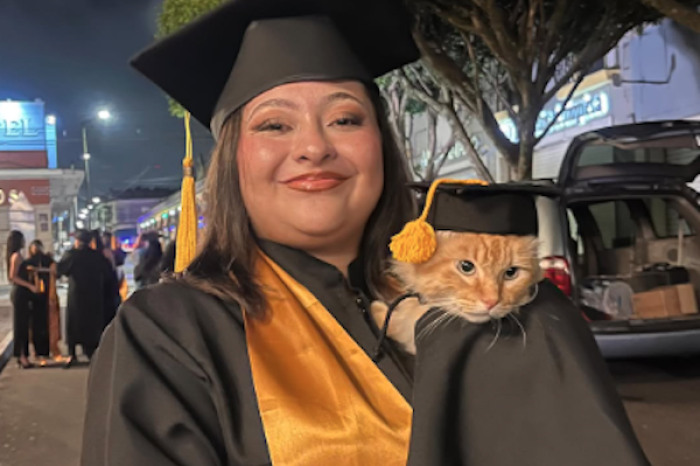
322,400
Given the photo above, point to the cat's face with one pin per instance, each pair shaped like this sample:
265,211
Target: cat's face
480,276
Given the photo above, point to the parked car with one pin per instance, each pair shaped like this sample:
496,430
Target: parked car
619,235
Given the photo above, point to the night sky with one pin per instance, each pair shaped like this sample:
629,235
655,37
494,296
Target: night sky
73,55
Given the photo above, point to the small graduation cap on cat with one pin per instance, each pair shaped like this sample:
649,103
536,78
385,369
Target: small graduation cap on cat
464,206
218,63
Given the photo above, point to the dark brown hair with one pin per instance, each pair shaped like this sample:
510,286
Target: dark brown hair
15,243
224,264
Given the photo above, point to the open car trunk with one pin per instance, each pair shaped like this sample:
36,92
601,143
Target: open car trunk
634,224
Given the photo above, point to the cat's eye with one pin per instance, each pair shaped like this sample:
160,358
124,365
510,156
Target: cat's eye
466,267
511,273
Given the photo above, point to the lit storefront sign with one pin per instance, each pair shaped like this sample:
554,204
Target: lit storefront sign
579,112
24,128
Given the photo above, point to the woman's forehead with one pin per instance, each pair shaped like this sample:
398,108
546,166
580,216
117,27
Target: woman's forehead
294,94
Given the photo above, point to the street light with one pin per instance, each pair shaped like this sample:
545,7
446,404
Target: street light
103,115
51,119
96,200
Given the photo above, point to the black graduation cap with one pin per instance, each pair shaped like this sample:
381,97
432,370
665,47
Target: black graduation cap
497,209
222,60
465,206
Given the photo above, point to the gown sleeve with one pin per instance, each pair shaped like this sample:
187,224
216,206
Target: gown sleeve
538,395
149,401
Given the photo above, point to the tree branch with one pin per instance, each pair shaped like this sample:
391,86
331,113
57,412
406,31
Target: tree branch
563,108
678,12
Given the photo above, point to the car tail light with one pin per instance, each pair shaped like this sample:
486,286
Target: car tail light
556,269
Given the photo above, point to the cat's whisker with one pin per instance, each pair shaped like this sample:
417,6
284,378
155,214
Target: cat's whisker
522,328
495,339
432,326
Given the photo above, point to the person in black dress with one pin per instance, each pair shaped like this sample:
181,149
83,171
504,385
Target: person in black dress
40,267
260,351
91,280
22,295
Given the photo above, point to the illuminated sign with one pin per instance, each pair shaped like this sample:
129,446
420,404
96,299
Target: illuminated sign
579,111
22,126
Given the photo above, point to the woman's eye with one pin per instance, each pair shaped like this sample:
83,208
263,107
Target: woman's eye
347,121
466,267
511,273
271,126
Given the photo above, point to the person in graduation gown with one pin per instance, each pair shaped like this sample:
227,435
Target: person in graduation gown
260,351
91,278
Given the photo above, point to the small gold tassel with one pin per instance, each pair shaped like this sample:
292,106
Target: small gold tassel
186,246
416,243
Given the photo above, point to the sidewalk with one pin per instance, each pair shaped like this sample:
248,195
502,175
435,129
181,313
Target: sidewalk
41,415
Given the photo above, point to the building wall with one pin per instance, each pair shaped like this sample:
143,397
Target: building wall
638,59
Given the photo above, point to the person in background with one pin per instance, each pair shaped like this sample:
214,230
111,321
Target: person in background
22,294
147,271
42,270
119,255
91,277
103,243
167,265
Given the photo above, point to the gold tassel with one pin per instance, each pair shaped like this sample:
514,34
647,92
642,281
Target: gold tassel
416,243
186,246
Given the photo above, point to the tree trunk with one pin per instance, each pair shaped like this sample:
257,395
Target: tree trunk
678,12
526,133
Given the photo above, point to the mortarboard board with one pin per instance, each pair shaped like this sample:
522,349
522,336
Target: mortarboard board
219,62
216,64
465,206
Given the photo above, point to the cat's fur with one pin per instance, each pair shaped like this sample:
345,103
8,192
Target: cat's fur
477,296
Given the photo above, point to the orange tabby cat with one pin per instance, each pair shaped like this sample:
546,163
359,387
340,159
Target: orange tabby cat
477,277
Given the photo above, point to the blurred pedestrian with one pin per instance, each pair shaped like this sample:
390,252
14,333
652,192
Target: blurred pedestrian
167,265
148,272
119,256
22,295
42,270
91,279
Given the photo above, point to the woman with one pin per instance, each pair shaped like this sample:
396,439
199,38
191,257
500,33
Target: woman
22,294
112,296
260,353
45,324
147,272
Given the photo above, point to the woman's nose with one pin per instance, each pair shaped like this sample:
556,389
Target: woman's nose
313,145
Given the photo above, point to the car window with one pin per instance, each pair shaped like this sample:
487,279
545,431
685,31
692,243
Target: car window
615,223
666,219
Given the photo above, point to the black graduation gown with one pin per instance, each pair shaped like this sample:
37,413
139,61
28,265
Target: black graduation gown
171,383
539,395
90,277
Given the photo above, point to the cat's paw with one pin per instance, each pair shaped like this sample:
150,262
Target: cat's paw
379,311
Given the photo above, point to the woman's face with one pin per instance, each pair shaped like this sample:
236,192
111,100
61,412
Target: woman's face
310,162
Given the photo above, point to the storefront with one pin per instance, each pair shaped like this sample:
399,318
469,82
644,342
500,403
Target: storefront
593,105
36,198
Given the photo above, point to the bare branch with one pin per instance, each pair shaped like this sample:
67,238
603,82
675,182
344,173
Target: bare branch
563,108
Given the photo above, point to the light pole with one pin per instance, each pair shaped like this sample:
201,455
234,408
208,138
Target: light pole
103,115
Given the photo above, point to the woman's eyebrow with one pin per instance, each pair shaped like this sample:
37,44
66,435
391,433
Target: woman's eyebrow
284,103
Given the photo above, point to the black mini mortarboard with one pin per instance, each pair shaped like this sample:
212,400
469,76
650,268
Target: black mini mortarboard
465,206
215,65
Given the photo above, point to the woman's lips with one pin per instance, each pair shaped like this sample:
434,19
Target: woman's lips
315,181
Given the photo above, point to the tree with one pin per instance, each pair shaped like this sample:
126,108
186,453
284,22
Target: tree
683,12
414,91
517,55
174,15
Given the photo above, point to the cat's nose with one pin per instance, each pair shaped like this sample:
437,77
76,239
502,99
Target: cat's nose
489,303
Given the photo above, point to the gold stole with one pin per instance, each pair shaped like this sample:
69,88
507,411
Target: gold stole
322,400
